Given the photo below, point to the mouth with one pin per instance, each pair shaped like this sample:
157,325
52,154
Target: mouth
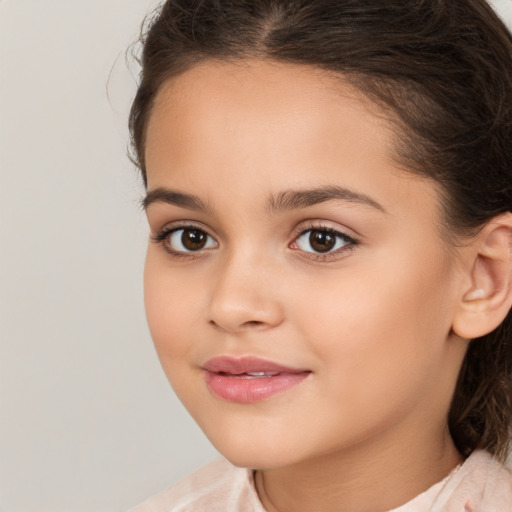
250,379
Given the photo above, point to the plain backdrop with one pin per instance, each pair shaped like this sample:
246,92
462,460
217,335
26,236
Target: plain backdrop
88,422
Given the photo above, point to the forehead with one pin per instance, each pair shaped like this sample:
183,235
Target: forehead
262,127
281,106
269,80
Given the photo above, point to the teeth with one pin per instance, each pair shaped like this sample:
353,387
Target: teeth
250,375
261,374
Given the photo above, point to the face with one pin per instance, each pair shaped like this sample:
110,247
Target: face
298,288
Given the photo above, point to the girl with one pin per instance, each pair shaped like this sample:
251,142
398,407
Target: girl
329,277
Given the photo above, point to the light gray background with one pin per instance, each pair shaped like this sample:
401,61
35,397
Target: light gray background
87,420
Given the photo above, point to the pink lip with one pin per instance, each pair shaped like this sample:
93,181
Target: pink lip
230,378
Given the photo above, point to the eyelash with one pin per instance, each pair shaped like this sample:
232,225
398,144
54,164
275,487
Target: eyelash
162,236
349,241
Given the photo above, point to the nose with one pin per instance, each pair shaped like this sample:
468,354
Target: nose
245,297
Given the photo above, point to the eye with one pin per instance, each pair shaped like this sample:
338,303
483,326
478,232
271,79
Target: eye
323,240
185,240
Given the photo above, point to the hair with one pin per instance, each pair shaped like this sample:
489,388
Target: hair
441,70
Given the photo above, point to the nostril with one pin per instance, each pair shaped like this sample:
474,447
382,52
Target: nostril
250,324
253,323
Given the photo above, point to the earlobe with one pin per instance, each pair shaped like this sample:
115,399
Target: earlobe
488,299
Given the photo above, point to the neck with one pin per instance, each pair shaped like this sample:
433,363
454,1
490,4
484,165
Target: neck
357,479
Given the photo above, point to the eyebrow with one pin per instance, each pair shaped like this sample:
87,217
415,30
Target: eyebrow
167,196
287,200
295,199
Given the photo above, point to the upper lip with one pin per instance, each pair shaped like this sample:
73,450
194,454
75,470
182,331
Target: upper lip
248,364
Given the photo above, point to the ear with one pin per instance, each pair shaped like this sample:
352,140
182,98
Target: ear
487,299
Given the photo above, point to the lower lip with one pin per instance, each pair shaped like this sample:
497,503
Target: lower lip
245,390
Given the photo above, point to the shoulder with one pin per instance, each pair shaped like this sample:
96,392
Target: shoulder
482,485
218,487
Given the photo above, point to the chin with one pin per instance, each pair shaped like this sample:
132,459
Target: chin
254,452
255,459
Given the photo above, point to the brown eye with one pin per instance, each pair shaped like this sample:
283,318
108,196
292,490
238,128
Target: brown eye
193,239
322,241
189,240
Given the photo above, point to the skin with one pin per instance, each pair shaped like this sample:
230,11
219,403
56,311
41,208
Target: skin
372,321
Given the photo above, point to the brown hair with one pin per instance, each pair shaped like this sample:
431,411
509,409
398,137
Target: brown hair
440,69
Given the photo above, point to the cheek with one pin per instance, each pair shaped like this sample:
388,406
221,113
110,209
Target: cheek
379,315
169,302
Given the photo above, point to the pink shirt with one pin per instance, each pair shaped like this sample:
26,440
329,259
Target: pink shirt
480,484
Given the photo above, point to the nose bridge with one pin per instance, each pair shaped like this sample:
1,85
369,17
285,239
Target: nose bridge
244,295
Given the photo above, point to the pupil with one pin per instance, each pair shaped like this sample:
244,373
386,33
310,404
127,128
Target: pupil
193,239
322,241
